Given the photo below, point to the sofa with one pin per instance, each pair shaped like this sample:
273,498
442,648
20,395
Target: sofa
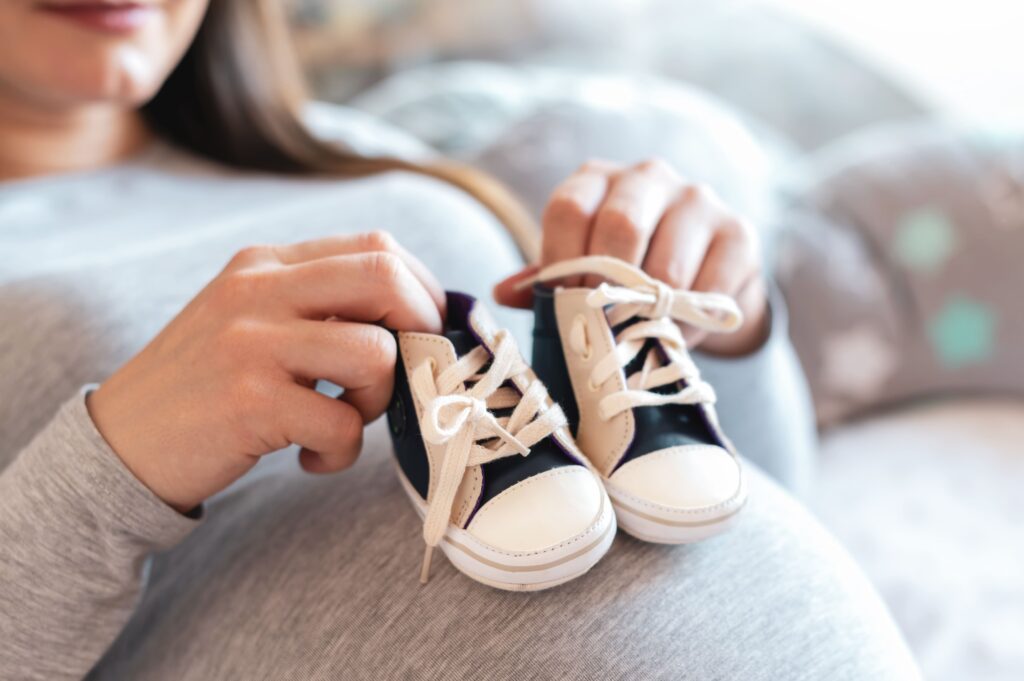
893,234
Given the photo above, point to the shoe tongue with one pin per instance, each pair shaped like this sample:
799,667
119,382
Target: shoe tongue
463,340
468,324
649,346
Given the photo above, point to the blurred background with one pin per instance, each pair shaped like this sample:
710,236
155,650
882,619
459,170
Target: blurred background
879,146
777,58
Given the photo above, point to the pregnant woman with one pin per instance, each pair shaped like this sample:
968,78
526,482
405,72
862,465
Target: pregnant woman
146,149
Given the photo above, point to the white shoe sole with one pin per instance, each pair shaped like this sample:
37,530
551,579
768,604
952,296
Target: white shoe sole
524,571
659,525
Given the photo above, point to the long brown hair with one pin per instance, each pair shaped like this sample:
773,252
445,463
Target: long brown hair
237,97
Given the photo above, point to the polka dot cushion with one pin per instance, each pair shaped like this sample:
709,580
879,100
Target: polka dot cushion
903,265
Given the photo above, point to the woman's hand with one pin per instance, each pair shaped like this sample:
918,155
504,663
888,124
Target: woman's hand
231,377
678,232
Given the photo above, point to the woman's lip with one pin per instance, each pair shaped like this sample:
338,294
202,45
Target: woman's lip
103,16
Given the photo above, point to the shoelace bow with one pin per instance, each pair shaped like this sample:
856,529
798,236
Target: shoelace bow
461,418
658,307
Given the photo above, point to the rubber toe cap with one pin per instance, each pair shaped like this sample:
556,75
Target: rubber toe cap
685,477
541,511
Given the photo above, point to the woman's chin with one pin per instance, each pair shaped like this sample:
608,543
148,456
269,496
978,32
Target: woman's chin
124,76
56,53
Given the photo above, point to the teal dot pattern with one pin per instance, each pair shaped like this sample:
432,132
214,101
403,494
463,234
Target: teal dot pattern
963,333
924,239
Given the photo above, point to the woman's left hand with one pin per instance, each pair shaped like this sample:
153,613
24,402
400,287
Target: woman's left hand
680,233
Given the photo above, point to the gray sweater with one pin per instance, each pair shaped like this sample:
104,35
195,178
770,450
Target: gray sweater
92,265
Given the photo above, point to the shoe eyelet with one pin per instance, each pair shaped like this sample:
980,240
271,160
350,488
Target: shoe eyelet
592,386
580,322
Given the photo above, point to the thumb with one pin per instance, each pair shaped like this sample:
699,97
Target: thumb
506,292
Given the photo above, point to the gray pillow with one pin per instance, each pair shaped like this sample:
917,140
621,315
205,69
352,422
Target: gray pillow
901,264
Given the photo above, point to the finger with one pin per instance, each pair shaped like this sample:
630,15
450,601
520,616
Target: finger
631,210
370,242
753,301
366,287
358,357
331,429
731,262
570,211
680,242
252,257
507,292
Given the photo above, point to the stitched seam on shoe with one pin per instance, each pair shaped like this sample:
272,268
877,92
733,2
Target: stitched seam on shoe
569,542
629,431
606,511
665,453
608,458
520,486
408,369
731,501
578,538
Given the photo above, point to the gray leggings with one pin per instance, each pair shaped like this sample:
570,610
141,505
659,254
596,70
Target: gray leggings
316,578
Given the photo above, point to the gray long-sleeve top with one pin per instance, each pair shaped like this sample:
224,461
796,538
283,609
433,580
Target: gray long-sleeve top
92,265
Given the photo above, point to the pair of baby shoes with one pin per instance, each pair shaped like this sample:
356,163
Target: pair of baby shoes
521,474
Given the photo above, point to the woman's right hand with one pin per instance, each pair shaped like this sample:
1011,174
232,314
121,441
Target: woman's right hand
232,376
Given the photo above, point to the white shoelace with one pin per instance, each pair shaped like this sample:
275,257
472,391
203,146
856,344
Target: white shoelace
658,306
462,419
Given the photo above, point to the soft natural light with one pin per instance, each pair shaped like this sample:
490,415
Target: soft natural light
965,57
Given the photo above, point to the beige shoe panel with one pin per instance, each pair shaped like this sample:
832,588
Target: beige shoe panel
604,442
686,477
541,511
417,348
